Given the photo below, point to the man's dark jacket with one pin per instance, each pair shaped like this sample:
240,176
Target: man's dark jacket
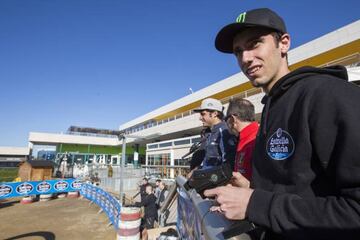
306,162
149,203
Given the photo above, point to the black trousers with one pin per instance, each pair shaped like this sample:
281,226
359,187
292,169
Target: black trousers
149,222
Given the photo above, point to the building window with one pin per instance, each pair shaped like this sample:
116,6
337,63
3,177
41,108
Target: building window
195,140
182,142
153,146
159,159
167,144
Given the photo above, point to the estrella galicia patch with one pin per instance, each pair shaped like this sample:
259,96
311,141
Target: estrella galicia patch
5,190
280,145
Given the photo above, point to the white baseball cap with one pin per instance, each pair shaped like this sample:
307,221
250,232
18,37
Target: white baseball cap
210,104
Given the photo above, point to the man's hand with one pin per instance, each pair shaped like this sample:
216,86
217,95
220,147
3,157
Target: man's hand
239,180
233,201
188,176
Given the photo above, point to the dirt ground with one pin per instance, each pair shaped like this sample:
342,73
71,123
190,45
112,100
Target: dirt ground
58,219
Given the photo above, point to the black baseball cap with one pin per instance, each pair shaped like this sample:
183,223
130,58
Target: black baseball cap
260,17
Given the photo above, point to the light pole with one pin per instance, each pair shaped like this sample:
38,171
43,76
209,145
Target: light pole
123,156
122,166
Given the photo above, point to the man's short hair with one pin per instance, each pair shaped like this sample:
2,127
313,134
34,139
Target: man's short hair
241,108
220,115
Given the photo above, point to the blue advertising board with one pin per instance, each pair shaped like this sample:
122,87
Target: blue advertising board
18,189
108,203
188,224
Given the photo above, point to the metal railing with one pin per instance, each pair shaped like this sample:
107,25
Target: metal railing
163,171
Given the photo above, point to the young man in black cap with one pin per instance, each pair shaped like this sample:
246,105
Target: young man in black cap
306,165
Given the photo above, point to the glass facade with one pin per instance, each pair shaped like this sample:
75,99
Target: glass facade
159,159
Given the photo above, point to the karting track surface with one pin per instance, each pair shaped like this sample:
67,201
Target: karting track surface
57,219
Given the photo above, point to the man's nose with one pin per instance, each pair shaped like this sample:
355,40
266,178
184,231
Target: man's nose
247,57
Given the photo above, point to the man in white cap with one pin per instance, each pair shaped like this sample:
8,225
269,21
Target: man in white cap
220,143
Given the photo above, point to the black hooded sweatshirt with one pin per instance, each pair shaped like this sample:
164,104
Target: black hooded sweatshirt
306,163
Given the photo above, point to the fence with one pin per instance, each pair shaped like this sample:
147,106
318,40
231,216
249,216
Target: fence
16,189
108,203
163,171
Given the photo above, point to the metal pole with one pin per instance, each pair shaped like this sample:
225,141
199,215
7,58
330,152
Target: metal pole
122,167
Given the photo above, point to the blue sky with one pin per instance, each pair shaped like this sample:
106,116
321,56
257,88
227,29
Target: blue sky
102,63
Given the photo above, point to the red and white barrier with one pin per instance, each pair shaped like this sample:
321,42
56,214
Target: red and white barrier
129,224
27,200
45,197
73,194
61,195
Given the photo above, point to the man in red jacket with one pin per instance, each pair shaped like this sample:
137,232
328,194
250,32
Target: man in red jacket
240,118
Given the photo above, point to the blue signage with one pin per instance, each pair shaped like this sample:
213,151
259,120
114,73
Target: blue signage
108,203
189,223
17,189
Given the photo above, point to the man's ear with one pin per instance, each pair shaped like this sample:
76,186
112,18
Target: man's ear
285,42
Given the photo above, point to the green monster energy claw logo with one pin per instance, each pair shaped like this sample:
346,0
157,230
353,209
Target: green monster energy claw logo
241,18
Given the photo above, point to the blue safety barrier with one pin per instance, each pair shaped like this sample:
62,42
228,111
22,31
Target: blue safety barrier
189,222
18,189
108,203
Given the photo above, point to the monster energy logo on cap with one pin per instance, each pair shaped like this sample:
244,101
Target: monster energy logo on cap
241,18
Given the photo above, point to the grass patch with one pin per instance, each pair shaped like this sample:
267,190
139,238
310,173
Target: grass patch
8,174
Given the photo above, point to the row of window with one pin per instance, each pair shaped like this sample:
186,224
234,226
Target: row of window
153,123
159,159
164,160
91,134
173,143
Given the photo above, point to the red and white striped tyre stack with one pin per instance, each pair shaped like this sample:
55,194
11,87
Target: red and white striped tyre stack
27,200
73,194
45,197
129,224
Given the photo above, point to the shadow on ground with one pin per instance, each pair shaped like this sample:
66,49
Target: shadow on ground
45,235
8,204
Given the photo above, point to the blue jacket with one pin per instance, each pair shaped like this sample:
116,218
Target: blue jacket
220,146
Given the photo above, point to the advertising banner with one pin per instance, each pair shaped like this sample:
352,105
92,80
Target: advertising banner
189,224
18,189
109,204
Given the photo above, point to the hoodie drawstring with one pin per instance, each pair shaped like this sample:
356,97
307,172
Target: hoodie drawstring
266,115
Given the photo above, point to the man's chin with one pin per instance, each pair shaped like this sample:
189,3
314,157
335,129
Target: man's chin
254,83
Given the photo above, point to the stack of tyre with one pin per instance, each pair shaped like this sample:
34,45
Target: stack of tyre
129,224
